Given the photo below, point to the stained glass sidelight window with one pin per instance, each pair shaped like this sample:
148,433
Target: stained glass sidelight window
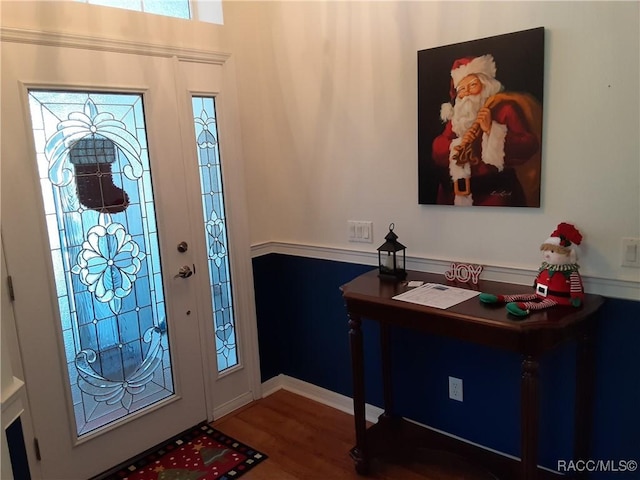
96,187
216,230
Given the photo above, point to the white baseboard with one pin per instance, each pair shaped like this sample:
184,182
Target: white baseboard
345,404
318,394
233,405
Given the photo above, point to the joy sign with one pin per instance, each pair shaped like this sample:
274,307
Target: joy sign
464,272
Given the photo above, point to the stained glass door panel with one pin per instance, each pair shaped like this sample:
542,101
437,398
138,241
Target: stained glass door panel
98,199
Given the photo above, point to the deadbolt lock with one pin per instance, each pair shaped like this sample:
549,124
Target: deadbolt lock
185,272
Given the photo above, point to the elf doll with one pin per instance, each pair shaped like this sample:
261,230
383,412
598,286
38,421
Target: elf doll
558,281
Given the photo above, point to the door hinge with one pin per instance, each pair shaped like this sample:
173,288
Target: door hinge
36,446
10,284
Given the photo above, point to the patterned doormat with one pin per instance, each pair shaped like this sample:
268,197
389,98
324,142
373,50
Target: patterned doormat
202,453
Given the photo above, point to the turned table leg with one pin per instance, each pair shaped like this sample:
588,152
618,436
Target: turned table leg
529,418
385,353
359,452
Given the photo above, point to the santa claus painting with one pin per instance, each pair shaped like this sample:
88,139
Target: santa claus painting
484,147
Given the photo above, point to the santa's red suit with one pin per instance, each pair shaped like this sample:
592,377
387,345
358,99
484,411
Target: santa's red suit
492,182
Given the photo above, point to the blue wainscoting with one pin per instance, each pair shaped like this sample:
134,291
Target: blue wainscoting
302,329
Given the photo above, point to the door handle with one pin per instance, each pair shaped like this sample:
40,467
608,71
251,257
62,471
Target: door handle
185,272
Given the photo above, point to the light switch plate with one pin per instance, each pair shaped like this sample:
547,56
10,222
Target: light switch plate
360,231
630,254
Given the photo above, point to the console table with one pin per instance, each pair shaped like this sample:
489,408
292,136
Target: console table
369,297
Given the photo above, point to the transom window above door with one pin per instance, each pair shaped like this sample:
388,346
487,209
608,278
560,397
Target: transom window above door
209,11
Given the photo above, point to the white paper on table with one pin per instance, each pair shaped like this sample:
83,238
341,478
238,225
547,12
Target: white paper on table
436,295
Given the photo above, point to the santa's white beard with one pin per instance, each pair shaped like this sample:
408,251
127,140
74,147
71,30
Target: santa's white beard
465,112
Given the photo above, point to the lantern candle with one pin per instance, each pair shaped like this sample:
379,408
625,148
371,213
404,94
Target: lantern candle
391,257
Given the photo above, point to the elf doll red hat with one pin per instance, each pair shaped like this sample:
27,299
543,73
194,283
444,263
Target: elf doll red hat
564,239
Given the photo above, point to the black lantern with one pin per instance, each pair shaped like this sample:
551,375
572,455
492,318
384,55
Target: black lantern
391,258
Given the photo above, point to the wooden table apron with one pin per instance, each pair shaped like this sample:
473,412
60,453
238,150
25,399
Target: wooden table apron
368,297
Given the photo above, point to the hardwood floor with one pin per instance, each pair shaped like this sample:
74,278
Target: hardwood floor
307,440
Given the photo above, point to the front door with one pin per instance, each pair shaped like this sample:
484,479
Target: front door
116,238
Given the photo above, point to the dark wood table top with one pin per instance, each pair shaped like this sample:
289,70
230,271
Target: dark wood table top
368,296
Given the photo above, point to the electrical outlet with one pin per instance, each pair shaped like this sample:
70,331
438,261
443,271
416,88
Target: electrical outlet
455,388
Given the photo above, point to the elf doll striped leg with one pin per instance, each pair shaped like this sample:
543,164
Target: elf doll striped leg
522,309
519,304
521,297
